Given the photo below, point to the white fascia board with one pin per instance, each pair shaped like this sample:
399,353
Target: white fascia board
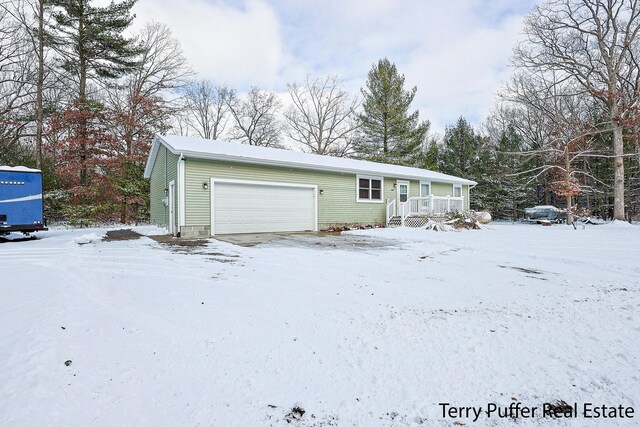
155,147
280,163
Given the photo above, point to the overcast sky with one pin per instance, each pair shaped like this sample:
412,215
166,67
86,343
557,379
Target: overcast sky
456,52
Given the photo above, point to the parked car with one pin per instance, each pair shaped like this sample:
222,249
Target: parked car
545,214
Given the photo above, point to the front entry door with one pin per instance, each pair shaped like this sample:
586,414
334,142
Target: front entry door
403,192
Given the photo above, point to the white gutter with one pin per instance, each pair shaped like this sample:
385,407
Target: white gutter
280,163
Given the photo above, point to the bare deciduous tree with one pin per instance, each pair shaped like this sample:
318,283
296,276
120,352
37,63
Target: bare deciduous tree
142,98
322,116
556,120
140,104
17,75
255,118
206,108
595,44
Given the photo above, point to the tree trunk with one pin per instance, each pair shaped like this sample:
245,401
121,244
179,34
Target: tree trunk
385,137
618,168
39,85
82,100
567,177
123,211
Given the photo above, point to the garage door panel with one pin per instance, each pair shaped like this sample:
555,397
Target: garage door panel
254,208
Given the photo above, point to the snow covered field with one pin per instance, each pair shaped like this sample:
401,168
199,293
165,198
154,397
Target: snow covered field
371,329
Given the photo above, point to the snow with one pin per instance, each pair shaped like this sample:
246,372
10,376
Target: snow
372,328
17,169
620,224
545,207
88,238
220,150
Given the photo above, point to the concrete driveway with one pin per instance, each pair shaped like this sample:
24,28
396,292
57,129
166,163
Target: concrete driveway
320,240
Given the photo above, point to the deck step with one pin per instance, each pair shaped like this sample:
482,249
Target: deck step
395,221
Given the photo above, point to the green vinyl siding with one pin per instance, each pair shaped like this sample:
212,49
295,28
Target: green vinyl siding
165,170
441,189
337,204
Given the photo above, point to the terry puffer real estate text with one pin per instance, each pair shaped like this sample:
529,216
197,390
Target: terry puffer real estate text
547,410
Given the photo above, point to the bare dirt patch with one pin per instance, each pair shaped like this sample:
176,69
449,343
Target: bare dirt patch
176,242
119,235
194,247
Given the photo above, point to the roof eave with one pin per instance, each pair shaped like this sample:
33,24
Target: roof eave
267,162
155,146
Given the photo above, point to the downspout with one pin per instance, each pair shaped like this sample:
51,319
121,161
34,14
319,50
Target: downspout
181,192
166,188
470,187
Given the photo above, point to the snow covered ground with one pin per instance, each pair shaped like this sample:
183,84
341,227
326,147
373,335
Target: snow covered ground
375,328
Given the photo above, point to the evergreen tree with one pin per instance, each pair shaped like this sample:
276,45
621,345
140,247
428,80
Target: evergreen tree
390,132
466,154
460,150
506,193
91,45
428,159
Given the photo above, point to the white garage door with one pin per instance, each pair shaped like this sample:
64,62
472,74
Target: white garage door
262,208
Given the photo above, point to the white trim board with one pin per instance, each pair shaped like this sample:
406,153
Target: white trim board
192,147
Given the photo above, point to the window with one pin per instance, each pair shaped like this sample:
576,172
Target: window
457,190
369,188
403,191
425,189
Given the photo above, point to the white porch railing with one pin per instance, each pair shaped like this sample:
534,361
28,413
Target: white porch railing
391,210
432,205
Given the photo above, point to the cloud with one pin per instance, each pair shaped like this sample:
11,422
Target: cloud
456,53
229,44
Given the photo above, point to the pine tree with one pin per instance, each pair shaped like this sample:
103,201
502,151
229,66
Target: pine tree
390,132
459,153
90,43
507,192
467,154
428,159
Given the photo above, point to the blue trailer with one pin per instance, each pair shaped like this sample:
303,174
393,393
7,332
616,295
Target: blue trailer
20,200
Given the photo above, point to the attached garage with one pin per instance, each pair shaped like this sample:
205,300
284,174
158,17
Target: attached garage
262,207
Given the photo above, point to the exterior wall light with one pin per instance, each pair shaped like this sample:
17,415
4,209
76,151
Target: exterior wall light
321,192
205,185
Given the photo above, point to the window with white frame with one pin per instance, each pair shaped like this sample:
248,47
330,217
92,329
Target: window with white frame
425,188
369,188
457,190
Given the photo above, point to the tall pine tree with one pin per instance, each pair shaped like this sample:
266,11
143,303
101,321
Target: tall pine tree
91,46
459,154
390,132
466,153
506,189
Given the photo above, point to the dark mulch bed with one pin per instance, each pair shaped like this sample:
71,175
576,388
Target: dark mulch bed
118,235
